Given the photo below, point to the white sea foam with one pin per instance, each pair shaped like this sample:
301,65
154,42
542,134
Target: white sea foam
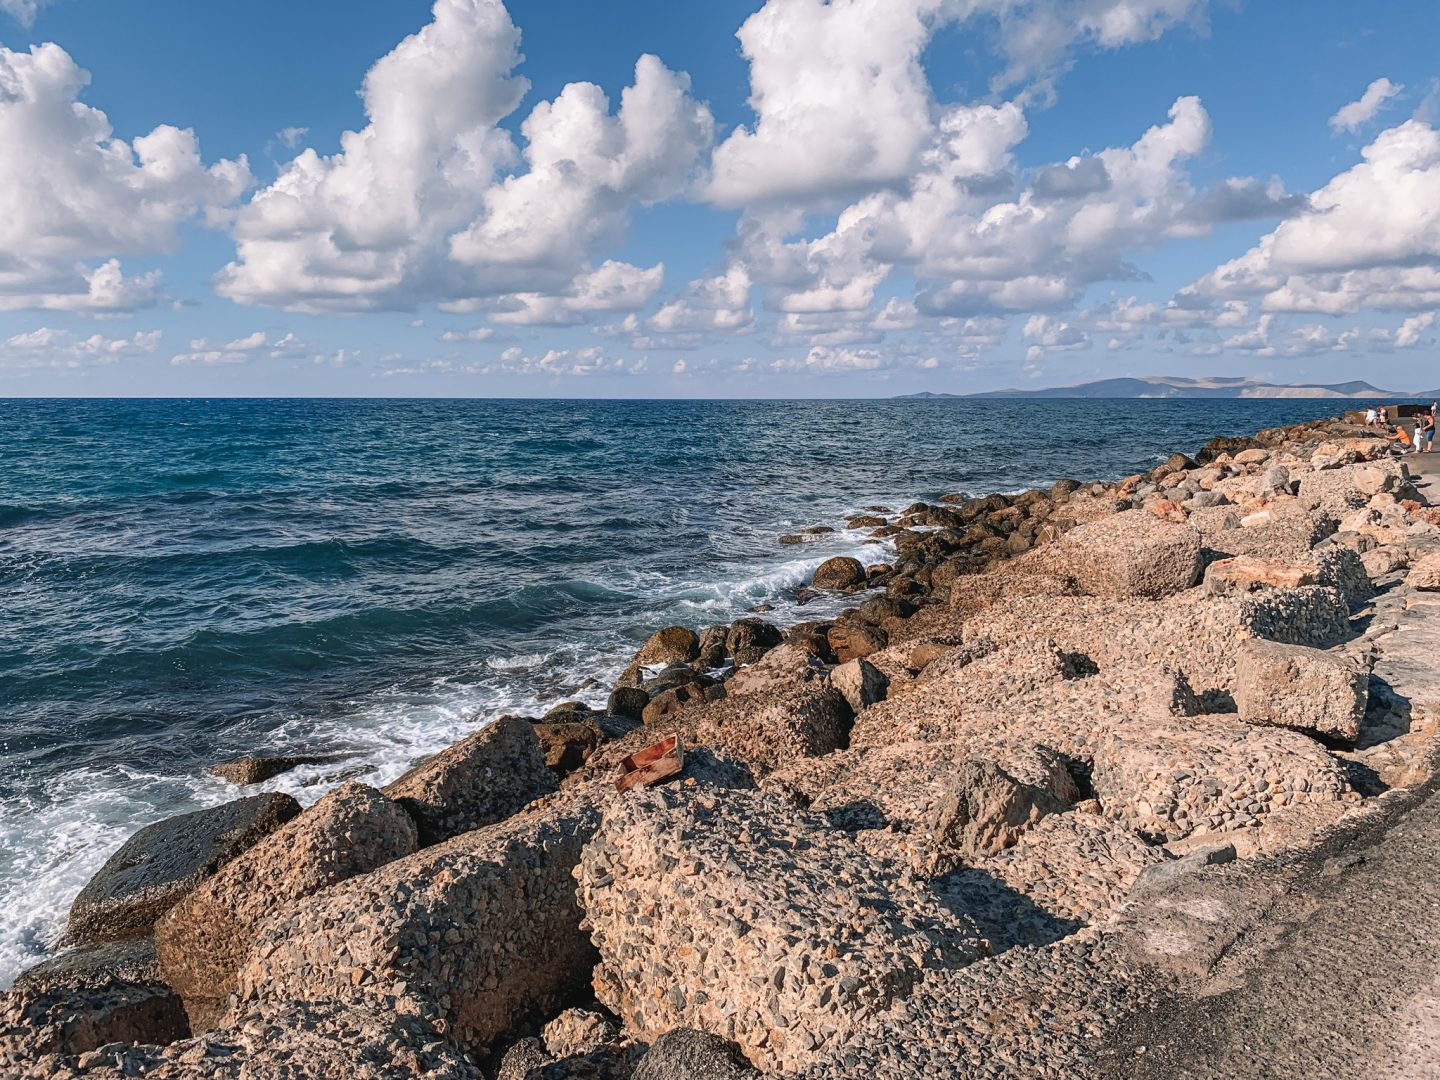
53,841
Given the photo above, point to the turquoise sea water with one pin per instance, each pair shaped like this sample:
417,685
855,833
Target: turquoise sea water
186,581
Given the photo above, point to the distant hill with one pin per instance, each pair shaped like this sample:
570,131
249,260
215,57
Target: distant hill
1174,386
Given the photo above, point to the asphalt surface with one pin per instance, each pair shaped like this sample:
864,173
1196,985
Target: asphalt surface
1341,979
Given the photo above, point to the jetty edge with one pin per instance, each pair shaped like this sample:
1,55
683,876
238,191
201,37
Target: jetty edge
950,832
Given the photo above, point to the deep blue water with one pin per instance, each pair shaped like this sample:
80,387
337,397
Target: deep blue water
186,581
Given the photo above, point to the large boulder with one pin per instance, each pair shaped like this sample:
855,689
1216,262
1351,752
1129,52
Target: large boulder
1209,774
850,640
484,926
672,645
1297,687
62,1021
129,960
478,781
733,913
749,639
568,745
842,574
782,668
296,1040
203,941
686,1054
984,809
1132,553
161,863
860,683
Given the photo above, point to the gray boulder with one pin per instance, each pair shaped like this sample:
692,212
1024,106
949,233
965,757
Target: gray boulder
685,1054
164,862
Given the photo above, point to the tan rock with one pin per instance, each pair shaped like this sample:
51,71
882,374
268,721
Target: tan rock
784,667
478,781
484,927
775,930
204,940
1297,687
1425,573
984,809
1130,554
860,682
849,640
1245,572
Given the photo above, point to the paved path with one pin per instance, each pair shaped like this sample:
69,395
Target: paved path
1343,980
1327,964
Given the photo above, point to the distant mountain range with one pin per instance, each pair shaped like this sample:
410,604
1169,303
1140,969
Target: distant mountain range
1173,386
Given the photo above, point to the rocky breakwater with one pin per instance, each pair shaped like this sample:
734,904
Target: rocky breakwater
904,841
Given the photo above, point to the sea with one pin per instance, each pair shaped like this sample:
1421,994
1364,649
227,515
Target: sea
183,582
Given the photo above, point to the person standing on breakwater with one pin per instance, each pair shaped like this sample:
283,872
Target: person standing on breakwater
1384,416
1428,431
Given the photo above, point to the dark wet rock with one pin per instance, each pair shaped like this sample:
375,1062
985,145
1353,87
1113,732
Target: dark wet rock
163,862
627,701
811,636
676,675
685,1054
849,640
1223,444
749,639
130,960
672,645
839,574
866,521
256,770
478,781
879,608
713,650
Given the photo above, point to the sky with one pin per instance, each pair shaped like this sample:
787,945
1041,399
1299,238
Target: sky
774,198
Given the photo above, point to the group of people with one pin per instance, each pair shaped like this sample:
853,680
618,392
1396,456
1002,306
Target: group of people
1419,440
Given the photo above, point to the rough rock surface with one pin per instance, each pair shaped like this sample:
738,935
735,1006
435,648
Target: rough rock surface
1208,775
478,781
578,1031
163,862
255,770
686,1054
484,926
782,668
839,573
397,1040
1296,687
984,809
860,683
734,913
1133,553
764,731
59,1021
203,941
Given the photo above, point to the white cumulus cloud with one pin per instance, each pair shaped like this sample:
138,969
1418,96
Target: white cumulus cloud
74,197
1355,115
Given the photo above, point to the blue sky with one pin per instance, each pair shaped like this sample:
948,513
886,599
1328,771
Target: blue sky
853,198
